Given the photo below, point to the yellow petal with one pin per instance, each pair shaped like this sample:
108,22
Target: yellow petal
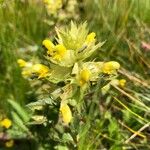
110,67
57,57
90,38
6,123
21,62
122,82
48,45
59,52
84,76
40,70
66,113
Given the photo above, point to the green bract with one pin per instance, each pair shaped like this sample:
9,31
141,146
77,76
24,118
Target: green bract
78,43
67,57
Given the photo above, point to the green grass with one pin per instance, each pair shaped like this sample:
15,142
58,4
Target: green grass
21,25
110,120
124,25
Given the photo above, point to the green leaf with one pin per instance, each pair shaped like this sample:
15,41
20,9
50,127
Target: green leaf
67,137
18,121
60,147
38,119
59,73
113,127
38,105
20,110
90,50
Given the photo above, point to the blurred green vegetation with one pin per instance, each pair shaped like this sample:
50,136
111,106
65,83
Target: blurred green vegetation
20,25
124,25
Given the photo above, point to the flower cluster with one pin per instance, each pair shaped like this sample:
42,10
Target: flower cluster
68,63
62,10
6,124
53,5
110,67
30,70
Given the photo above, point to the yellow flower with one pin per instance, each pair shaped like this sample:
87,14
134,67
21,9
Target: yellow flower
6,123
110,67
90,38
53,5
66,113
21,62
122,82
26,72
9,143
56,52
59,52
84,76
40,70
48,45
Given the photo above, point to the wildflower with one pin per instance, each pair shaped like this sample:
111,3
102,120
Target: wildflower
9,143
84,76
30,69
122,82
110,67
40,70
66,113
21,62
59,52
26,73
53,5
56,52
90,38
6,123
48,45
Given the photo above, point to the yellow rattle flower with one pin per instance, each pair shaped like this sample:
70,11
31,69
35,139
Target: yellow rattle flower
59,52
122,82
26,72
110,67
84,76
9,143
48,45
90,38
53,5
40,70
66,113
21,62
6,123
